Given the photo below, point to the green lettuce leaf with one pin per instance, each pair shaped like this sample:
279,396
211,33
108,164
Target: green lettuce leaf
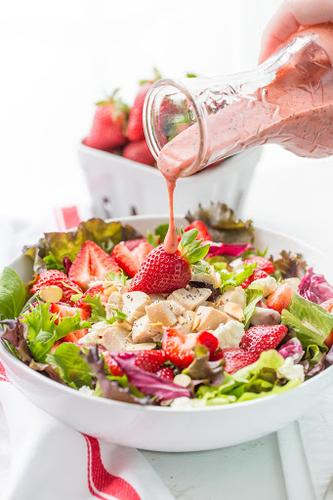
57,245
98,312
253,296
310,323
254,381
12,294
222,223
70,365
45,328
237,277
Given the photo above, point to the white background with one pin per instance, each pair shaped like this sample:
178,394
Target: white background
59,57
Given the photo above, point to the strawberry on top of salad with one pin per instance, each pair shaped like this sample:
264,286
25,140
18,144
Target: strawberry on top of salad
110,313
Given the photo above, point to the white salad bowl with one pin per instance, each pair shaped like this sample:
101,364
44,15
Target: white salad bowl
117,184
163,428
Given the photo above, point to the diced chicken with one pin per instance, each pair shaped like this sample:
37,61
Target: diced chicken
157,297
134,304
267,285
265,316
114,338
175,307
230,334
161,312
114,301
209,318
144,346
190,298
143,331
185,321
234,310
236,295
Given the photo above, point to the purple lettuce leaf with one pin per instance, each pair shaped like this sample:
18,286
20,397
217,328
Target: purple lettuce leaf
314,287
292,349
148,383
232,250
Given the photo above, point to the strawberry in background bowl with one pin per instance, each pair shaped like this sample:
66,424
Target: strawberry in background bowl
118,128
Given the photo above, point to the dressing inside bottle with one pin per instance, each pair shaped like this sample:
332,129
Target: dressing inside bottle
288,100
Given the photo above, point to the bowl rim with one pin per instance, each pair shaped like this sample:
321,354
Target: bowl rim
5,355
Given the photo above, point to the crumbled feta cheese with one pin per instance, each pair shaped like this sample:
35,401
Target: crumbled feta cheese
86,390
230,334
267,285
291,371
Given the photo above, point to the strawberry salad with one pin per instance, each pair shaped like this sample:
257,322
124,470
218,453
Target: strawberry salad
110,313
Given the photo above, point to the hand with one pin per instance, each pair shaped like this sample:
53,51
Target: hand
292,15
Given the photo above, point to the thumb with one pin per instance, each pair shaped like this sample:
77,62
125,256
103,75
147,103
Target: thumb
277,32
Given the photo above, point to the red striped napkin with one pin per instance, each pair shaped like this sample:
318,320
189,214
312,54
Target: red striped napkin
49,461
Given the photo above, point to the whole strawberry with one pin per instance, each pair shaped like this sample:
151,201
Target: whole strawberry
139,151
109,124
262,338
135,125
163,272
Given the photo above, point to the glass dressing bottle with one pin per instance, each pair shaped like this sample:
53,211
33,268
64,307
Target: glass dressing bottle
195,122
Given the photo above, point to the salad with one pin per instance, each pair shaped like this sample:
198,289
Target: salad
110,313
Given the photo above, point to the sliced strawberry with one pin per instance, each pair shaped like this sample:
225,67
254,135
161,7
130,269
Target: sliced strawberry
217,355
113,366
130,255
235,359
91,263
178,347
166,373
208,340
262,338
75,336
203,233
150,361
281,298
64,310
57,278
131,244
256,275
262,263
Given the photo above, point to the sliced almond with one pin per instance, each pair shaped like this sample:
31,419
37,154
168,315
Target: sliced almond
182,380
51,293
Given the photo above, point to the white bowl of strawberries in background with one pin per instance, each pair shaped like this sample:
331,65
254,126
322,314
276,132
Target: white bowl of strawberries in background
117,359
121,172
